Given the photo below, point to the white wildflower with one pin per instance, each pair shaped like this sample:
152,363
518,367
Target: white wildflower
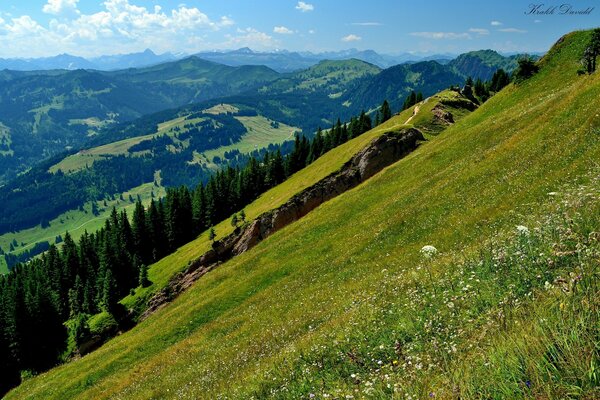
523,230
428,251
547,285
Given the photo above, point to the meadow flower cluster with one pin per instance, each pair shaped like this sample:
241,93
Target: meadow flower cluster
408,338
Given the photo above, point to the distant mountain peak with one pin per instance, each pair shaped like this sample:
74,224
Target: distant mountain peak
244,50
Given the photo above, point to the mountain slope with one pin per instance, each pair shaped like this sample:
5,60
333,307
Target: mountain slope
281,321
395,83
483,63
327,77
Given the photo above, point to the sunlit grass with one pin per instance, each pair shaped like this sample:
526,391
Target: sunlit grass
342,303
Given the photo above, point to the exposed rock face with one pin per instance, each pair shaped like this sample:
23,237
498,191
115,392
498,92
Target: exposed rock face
442,116
380,153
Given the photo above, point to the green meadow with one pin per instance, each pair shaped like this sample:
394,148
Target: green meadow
345,304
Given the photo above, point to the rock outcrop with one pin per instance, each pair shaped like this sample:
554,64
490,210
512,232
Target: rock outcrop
380,153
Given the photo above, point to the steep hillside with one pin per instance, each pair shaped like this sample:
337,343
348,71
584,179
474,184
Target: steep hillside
346,303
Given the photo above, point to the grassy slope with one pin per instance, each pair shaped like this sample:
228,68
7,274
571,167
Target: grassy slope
260,134
163,270
252,325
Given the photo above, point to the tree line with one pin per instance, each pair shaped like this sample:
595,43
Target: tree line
591,53
46,303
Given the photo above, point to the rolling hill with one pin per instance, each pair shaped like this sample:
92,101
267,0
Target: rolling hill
467,269
48,112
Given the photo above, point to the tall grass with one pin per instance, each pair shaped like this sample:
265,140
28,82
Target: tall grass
341,304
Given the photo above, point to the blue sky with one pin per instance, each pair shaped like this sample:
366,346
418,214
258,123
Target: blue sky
91,27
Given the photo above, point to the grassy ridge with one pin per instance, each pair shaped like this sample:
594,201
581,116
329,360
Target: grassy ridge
301,313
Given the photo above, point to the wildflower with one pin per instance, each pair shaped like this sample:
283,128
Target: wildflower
523,230
428,251
547,285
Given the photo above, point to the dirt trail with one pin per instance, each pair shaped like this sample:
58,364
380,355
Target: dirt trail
416,110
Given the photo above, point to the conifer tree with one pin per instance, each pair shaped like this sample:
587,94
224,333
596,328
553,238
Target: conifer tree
526,69
110,295
143,280
386,112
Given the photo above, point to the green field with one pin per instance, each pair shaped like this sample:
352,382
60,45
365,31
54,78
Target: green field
260,134
76,221
343,304
85,158
221,109
94,123
57,103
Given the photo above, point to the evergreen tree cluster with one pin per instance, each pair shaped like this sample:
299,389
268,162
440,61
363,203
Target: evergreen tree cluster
481,91
412,99
525,70
500,79
591,53
57,292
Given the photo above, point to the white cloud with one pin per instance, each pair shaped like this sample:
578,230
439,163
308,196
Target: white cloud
311,31
441,35
128,26
479,31
282,30
23,26
304,7
351,38
250,37
495,23
537,21
60,7
512,30
366,23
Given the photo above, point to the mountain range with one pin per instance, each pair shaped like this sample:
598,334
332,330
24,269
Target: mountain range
281,61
